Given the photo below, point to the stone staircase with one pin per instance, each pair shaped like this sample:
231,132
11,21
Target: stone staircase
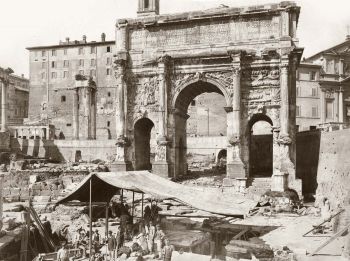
258,186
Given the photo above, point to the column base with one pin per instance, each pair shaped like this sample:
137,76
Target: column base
161,169
279,182
120,166
238,184
235,170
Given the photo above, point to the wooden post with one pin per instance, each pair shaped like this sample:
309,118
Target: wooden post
90,214
107,220
142,206
122,196
133,205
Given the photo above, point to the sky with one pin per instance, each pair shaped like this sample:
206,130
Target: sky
25,23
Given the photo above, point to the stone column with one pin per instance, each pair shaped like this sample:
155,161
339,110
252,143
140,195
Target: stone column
93,113
286,166
3,105
341,105
87,113
323,106
76,114
161,166
336,106
235,165
121,161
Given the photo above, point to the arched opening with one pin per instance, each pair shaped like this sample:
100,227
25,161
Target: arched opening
142,143
221,159
261,146
200,126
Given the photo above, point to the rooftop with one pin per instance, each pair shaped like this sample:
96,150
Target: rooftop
74,43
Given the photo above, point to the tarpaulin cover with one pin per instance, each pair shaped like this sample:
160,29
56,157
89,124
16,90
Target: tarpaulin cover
106,184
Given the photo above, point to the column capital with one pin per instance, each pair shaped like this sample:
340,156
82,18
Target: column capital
122,23
236,55
164,59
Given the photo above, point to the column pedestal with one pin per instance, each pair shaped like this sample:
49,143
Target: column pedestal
121,163
279,182
161,165
3,106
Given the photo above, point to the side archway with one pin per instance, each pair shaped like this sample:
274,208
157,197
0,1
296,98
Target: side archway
142,144
260,146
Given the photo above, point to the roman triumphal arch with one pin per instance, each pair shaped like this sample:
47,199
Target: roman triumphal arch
247,55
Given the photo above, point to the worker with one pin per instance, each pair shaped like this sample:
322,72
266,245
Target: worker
167,250
111,245
158,240
63,254
150,236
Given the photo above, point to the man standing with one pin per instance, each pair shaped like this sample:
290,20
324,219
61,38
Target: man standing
151,234
63,254
167,251
111,245
159,237
96,240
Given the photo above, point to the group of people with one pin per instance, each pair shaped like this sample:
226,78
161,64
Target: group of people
148,240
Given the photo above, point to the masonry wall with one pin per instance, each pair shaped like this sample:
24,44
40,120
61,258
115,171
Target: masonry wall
333,173
308,151
64,150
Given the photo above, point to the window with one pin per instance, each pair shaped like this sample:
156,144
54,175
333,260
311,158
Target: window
53,53
53,64
108,124
146,4
297,112
63,98
193,103
93,49
43,75
81,72
109,94
69,125
314,92
65,74
313,76
108,49
329,110
92,73
314,112
81,50
53,75
81,62
108,60
43,65
65,63
108,72
93,62
65,51
43,53
298,91
313,128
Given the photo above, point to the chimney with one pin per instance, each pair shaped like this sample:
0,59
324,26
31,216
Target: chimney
67,40
103,37
84,38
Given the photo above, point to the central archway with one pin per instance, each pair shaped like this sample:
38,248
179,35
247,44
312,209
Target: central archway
260,146
181,105
142,139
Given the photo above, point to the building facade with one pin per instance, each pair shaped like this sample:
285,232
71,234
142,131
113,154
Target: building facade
52,80
17,98
323,89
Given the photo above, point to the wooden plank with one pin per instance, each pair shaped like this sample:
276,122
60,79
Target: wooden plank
241,233
330,240
333,216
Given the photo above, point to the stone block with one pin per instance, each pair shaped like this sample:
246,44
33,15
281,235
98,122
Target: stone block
45,192
36,192
42,199
33,179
